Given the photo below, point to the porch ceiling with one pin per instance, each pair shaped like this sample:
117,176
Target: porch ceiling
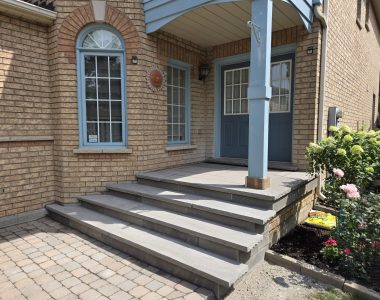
227,22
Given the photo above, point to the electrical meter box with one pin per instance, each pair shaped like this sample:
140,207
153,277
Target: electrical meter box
335,116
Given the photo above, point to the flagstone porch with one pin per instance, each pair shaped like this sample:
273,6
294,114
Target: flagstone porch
229,180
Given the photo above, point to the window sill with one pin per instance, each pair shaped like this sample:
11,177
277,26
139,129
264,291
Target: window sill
26,138
102,151
180,147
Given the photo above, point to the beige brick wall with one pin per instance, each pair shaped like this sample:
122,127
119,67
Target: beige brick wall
290,216
27,176
26,168
353,64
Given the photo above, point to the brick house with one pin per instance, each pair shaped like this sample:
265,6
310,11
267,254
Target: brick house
99,91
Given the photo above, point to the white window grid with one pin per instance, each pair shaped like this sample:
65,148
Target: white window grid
178,129
288,95
109,78
239,85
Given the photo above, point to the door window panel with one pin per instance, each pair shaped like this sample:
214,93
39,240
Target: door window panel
281,87
236,91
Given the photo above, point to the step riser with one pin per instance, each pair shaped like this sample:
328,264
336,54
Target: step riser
189,238
119,244
190,211
199,190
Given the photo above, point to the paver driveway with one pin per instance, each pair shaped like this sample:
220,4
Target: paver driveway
46,260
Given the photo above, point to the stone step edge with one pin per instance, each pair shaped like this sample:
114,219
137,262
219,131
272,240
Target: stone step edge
262,197
320,275
113,187
171,260
257,239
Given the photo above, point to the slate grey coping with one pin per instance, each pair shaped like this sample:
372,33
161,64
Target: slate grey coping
218,233
321,275
251,214
22,217
230,179
213,267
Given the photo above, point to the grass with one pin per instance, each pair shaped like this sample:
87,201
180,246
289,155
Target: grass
333,294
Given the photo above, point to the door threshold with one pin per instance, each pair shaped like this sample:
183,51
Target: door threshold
242,162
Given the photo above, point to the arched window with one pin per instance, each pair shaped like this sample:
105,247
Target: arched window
101,87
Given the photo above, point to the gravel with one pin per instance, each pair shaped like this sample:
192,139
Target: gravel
267,282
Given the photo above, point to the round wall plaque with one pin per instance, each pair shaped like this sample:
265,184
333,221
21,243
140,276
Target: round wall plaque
155,79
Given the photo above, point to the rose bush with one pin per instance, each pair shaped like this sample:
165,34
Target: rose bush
355,246
347,157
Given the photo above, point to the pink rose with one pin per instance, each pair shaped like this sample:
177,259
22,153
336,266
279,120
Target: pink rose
347,251
338,172
353,195
351,191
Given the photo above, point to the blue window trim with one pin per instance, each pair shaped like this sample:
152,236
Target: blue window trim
229,60
187,68
81,52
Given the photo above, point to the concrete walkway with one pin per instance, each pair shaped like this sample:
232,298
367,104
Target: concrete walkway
46,260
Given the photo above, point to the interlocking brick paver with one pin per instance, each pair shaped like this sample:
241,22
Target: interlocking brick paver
165,290
120,295
154,285
80,288
151,296
143,280
46,260
139,291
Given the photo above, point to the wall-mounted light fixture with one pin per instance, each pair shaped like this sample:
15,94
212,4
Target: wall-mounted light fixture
134,60
310,50
204,70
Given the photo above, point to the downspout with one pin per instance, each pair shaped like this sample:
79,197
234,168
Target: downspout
321,14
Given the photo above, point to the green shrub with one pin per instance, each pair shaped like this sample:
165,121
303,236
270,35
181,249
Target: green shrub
355,153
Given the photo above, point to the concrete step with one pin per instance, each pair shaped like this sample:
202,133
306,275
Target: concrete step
210,208
183,260
224,240
219,192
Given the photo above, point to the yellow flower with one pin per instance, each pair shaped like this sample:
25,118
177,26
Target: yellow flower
345,128
348,138
329,139
341,152
369,169
315,147
356,149
333,128
372,140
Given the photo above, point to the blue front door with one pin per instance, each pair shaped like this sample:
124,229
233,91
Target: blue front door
234,133
234,118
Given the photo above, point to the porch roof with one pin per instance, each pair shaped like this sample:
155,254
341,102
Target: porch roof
222,14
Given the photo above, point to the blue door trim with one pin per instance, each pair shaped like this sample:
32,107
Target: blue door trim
236,59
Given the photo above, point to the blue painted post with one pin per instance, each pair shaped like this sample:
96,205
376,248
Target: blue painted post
259,94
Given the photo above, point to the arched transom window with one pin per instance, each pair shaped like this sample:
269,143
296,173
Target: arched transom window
101,81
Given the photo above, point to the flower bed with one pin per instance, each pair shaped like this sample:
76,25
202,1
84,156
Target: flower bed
351,162
305,243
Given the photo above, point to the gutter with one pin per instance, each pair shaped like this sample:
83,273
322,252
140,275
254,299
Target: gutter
321,13
28,11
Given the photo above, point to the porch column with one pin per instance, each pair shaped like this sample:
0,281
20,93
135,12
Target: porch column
259,94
